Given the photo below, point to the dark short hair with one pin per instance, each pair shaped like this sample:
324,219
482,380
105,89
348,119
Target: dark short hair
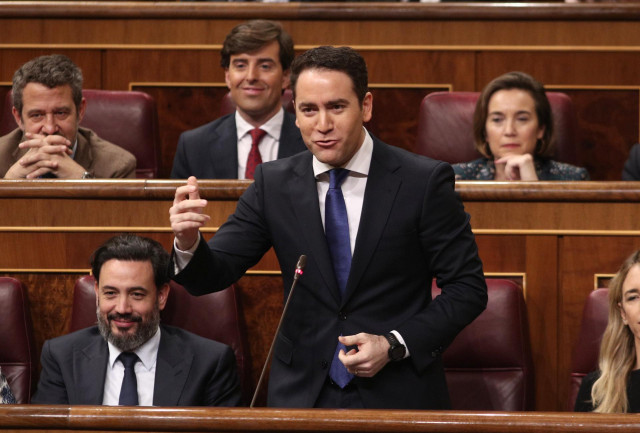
253,35
128,247
52,71
342,59
522,81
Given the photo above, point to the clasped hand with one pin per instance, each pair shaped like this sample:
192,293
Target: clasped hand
46,154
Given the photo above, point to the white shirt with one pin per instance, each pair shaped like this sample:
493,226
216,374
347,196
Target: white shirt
145,373
269,144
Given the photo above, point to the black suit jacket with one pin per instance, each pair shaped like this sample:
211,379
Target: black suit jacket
190,370
631,169
211,151
413,227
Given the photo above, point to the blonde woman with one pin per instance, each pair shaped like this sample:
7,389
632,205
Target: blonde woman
615,387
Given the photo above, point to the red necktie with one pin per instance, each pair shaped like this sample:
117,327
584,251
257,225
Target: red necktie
254,155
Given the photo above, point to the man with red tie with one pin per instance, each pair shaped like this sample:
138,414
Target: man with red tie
256,56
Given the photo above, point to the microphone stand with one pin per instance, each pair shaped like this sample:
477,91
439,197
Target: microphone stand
302,262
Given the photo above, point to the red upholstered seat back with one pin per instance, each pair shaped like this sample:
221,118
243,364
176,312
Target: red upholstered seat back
128,119
216,316
18,357
445,127
228,106
595,316
489,366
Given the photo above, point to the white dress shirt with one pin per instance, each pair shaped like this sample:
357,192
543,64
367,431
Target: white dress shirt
145,373
268,146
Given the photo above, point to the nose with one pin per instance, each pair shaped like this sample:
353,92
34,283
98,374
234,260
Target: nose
122,305
49,127
325,122
510,127
252,72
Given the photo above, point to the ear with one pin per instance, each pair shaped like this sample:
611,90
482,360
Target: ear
226,78
163,295
81,109
286,79
18,117
367,107
540,133
623,314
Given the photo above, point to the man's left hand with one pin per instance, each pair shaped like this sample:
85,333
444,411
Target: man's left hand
370,357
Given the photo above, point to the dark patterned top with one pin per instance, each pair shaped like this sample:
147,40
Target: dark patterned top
546,169
583,401
6,397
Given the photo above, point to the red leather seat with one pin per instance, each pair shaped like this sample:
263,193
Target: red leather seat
228,106
18,357
215,316
128,119
595,316
489,366
445,127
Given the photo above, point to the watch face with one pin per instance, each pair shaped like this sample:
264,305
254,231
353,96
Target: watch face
397,352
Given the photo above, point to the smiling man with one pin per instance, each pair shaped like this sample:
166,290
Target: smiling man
376,223
48,107
256,56
169,366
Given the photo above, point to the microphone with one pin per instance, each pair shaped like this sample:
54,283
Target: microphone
302,262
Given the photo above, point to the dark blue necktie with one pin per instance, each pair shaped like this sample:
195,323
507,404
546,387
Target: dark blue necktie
336,228
129,390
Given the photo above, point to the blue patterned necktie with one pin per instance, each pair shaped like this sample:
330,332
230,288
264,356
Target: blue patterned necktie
129,390
336,228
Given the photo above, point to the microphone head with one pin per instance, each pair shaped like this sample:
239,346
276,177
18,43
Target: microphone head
302,262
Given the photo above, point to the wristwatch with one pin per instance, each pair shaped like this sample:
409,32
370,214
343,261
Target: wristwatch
397,350
87,175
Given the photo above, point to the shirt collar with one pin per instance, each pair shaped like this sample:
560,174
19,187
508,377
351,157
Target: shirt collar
272,126
359,163
148,352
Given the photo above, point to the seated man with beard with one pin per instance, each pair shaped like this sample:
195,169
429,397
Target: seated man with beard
129,358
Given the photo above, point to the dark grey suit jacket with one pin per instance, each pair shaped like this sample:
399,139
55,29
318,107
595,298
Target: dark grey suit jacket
211,151
190,370
631,169
413,227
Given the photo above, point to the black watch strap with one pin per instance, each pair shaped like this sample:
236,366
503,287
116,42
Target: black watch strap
397,350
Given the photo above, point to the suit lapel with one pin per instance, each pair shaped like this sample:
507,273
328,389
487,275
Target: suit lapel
172,369
303,194
223,150
379,197
86,360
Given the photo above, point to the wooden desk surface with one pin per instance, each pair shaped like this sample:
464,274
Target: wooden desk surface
38,418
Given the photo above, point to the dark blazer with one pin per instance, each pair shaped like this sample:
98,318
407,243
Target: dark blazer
211,151
190,370
631,169
413,227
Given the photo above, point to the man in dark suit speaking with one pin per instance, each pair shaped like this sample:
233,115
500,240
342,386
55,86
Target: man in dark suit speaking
129,359
376,223
256,56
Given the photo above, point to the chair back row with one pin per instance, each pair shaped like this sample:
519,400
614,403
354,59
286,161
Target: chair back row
488,366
